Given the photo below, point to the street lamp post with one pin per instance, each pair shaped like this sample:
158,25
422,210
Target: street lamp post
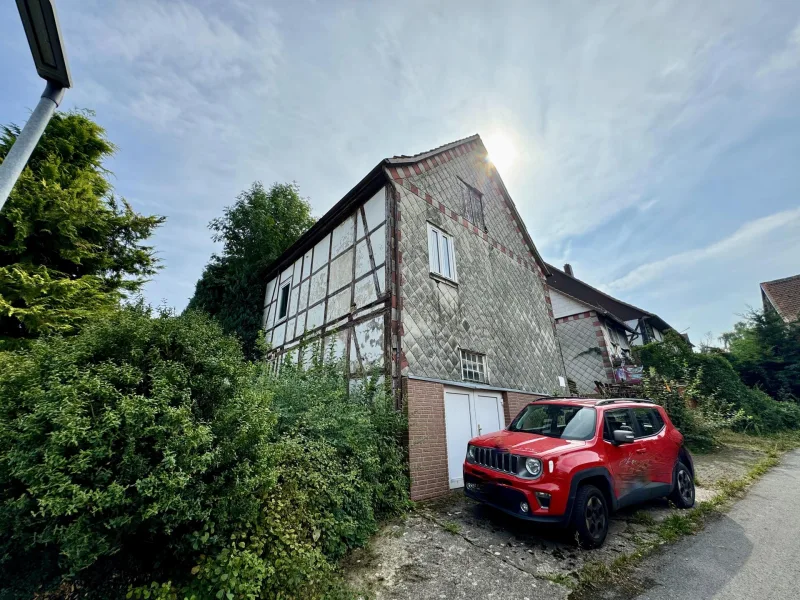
44,37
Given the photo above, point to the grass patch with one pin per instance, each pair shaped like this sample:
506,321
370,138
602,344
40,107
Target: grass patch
598,575
452,527
642,517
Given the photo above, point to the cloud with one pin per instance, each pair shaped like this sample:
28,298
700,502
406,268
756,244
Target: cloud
786,59
617,119
753,238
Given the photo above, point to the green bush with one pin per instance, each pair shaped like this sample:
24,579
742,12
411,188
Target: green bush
715,385
145,455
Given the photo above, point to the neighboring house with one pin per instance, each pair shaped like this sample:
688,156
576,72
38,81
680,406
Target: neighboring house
424,274
783,297
596,331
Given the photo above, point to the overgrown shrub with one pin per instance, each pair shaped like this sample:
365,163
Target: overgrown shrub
145,455
715,384
698,425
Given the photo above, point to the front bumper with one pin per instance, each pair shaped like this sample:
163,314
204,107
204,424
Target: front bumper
508,498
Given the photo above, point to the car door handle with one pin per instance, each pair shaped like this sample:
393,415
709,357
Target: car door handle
641,451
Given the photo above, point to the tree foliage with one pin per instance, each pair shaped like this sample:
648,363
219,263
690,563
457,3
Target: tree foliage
145,455
715,385
254,231
68,247
765,351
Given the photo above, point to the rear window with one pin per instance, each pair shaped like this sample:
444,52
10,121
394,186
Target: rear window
649,421
563,421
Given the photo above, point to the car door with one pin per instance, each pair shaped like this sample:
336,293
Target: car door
659,454
625,461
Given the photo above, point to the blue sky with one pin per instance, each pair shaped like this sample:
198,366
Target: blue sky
657,144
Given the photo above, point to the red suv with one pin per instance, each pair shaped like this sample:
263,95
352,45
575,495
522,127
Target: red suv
571,461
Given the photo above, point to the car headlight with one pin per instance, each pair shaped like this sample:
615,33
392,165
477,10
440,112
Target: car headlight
533,466
470,452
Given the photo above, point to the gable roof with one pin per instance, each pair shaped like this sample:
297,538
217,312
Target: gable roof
598,309
476,138
368,186
784,295
580,290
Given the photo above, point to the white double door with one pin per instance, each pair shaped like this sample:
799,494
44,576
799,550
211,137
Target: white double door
467,414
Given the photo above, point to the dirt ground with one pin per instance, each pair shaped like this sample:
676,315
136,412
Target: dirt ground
455,548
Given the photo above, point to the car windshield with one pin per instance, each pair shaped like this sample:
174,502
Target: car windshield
564,421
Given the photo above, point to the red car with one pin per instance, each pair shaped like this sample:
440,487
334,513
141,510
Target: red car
571,462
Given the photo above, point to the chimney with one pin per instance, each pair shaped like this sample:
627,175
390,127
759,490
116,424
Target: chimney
568,270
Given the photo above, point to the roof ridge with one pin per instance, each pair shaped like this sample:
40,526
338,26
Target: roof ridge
581,281
781,280
403,158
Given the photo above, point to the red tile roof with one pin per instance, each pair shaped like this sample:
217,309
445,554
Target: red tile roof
784,295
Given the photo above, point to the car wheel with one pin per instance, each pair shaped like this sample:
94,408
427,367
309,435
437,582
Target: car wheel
683,487
590,518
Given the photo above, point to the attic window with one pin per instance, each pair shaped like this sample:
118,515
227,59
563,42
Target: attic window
473,204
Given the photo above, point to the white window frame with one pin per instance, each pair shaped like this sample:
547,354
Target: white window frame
439,244
283,286
479,364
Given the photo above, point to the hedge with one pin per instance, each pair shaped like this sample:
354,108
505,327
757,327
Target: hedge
145,457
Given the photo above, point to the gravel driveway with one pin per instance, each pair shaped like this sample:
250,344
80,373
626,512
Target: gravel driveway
457,548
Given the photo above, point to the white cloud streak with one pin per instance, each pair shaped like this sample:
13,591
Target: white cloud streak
751,239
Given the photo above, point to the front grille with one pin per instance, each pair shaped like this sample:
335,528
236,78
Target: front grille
499,460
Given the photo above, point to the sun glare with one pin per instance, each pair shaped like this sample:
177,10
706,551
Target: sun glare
501,151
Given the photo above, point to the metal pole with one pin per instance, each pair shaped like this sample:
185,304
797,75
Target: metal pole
23,147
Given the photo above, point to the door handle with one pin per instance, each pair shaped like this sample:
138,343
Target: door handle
641,451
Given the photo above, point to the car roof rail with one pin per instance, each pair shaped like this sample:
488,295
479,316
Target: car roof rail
614,400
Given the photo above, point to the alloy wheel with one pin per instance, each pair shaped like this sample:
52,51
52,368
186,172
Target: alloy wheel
685,487
595,517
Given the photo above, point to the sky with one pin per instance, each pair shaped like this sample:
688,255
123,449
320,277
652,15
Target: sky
655,146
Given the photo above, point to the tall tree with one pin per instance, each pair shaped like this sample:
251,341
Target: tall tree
68,246
766,353
254,231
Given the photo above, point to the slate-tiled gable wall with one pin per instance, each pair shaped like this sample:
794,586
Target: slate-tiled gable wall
500,306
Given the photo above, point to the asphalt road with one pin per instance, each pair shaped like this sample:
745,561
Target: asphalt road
752,552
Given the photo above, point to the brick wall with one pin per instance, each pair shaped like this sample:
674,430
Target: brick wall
427,442
514,402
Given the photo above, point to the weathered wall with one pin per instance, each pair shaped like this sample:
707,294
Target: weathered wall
564,306
499,307
338,292
585,353
615,350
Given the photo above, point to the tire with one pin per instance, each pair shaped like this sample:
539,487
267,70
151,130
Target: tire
590,517
682,494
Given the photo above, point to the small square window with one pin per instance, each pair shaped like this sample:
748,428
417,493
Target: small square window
473,366
283,301
441,253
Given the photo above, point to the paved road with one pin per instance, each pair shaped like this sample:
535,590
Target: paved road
751,553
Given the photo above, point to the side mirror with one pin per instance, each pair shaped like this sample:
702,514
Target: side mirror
623,437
